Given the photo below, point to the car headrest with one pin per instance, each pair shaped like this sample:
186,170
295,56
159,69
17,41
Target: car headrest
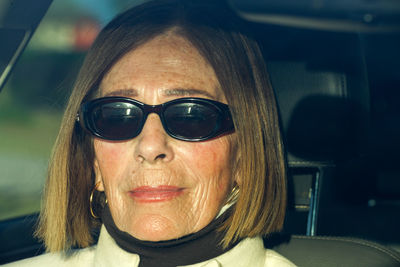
323,101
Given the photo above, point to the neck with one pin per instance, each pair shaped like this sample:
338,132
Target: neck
190,249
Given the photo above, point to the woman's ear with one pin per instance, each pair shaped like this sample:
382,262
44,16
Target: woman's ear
99,178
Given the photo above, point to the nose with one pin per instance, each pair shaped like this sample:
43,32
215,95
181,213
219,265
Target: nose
153,144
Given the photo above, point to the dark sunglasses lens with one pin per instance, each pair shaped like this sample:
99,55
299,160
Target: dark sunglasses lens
191,120
117,120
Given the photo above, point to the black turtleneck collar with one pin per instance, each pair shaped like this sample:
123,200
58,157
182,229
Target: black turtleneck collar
190,249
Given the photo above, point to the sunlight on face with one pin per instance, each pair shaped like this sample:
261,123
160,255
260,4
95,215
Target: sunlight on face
157,187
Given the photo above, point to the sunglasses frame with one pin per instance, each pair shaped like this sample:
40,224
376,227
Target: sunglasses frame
226,123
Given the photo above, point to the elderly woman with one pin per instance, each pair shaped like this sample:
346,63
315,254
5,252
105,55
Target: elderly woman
170,144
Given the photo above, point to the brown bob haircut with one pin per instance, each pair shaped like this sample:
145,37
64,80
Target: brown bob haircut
219,36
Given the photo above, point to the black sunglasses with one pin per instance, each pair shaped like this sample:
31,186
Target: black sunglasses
187,119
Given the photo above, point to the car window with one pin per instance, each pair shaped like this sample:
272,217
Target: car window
33,99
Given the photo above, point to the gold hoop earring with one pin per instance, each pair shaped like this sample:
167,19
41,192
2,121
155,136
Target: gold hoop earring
91,201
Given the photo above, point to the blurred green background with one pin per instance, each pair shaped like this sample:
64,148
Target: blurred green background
34,96
31,107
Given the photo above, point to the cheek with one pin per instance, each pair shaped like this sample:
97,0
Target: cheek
213,161
106,151
204,157
110,157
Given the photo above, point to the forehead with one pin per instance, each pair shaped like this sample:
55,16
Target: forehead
164,64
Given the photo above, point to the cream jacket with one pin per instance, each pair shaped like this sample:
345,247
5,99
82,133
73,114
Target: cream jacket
248,253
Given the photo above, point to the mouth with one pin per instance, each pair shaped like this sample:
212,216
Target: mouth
155,194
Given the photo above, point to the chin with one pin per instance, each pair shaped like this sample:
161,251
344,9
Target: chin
154,227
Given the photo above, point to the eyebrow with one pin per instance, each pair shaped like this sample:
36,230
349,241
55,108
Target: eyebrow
167,92
123,92
187,92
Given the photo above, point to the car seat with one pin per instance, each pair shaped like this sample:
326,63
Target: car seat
321,86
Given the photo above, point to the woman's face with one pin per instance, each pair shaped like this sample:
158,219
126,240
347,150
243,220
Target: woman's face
158,187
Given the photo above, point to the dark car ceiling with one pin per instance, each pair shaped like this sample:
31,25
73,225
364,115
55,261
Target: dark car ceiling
337,15
18,21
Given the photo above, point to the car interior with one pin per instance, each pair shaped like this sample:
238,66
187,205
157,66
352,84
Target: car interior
335,68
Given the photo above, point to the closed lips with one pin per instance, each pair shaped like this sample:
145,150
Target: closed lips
155,194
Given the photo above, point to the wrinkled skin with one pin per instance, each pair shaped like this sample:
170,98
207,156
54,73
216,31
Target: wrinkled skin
165,68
